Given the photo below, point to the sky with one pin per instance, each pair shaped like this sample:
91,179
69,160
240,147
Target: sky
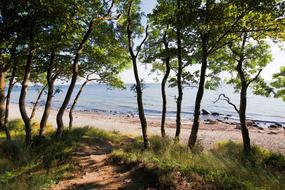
147,6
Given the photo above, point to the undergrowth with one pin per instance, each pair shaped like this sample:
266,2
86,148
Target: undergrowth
48,161
224,167
38,166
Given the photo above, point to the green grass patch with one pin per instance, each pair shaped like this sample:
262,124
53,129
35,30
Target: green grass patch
225,167
44,163
47,160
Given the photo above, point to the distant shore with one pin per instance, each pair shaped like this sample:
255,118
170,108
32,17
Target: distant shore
210,131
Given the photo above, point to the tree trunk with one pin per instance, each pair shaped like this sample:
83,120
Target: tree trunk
179,76
50,81
22,103
8,98
59,118
2,100
138,82
243,100
140,105
200,93
242,117
74,103
9,91
163,85
35,107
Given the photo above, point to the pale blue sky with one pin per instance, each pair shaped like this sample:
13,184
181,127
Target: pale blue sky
148,5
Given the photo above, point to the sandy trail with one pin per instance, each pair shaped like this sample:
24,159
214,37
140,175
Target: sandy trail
208,134
97,172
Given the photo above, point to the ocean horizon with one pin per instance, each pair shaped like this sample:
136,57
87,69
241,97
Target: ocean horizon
99,98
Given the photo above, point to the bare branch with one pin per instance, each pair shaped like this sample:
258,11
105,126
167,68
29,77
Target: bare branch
227,99
140,46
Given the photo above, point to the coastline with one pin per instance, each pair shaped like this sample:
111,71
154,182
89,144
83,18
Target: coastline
209,134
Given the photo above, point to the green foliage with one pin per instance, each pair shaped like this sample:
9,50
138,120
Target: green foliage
279,83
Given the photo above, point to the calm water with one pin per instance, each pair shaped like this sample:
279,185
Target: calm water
97,97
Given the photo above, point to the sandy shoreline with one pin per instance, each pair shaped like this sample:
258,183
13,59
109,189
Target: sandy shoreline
208,134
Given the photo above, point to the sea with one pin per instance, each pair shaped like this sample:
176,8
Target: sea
100,98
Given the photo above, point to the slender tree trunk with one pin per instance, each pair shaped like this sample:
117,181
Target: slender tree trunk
8,98
163,85
179,77
2,100
140,105
50,81
243,100
242,117
200,93
22,100
59,118
136,74
74,103
35,107
9,91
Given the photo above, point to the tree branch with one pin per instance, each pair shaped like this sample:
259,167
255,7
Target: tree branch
253,79
227,99
140,46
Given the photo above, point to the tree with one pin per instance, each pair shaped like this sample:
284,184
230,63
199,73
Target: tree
245,59
100,13
215,24
102,62
157,49
132,28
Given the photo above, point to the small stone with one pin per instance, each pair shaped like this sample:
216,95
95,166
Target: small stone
278,124
260,128
205,112
210,121
219,120
260,131
238,126
249,123
128,180
215,114
273,133
273,126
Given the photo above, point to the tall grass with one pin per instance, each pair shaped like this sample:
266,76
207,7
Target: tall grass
224,167
45,162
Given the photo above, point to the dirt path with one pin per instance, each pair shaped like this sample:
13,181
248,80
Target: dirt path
96,171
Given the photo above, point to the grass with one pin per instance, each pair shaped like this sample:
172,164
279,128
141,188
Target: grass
48,161
224,167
